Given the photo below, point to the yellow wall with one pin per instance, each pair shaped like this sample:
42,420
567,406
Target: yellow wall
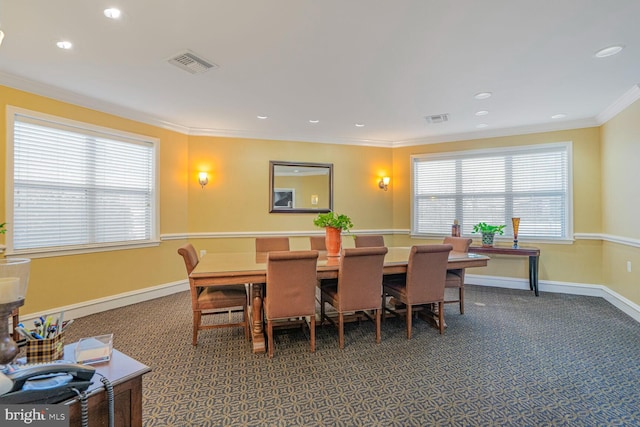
236,202
621,201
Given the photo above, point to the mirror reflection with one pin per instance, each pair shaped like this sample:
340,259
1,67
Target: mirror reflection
301,187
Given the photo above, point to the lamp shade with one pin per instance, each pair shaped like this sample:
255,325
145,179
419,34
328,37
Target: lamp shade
14,279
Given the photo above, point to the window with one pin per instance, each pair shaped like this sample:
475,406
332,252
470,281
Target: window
493,186
77,186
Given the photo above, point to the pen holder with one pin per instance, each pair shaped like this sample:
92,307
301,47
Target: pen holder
45,350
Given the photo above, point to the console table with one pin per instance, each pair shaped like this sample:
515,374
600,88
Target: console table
531,252
125,374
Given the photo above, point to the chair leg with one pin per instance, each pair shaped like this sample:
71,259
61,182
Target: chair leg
270,337
378,334
196,324
461,298
409,317
246,323
341,330
441,317
312,333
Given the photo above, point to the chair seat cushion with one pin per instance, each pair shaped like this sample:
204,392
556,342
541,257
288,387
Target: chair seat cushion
222,296
454,280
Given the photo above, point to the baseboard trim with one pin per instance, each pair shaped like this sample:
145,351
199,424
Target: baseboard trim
127,298
623,304
86,308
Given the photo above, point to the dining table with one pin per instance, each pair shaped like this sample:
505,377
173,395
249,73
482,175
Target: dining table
233,268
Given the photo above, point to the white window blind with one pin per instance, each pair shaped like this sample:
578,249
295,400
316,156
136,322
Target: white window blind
493,186
79,187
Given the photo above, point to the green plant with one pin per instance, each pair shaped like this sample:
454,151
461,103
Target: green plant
2,229
331,219
483,227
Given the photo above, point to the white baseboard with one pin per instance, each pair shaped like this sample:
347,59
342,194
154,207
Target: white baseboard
86,308
102,304
614,298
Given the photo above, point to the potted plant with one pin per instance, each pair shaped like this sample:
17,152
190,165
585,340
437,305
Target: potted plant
2,229
488,232
334,224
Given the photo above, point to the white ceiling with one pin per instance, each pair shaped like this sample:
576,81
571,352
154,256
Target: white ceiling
384,63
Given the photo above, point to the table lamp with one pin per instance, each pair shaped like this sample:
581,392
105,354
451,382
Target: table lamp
14,279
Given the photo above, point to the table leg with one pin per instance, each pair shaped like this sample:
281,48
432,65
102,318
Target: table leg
257,331
533,274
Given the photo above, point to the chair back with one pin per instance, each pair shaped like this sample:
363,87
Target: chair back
360,278
369,241
190,256
318,243
459,244
268,244
426,273
291,284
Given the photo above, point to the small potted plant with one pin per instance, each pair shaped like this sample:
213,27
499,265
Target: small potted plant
488,232
334,224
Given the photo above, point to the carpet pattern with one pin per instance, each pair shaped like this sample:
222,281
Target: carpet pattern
511,360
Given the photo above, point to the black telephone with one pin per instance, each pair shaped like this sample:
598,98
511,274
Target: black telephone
43,382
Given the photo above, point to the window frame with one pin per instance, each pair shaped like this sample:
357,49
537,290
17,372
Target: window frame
12,113
567,145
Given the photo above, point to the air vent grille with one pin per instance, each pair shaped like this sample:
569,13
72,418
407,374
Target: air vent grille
191,62
437,118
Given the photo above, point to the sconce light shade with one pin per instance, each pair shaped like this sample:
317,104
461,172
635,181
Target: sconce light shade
314,199
384,183
203,179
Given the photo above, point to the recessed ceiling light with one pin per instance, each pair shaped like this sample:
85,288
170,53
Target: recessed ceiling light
359,125
64,45
482,113
314,121
112,13
609,51
482,95
263,117
559,116
482,125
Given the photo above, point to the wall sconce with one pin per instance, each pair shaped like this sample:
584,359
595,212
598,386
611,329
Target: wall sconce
384,183
203,179
314,199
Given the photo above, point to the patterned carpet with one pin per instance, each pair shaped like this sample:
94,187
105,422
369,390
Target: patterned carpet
510,360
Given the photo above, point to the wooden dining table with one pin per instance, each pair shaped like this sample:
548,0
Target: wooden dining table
233,268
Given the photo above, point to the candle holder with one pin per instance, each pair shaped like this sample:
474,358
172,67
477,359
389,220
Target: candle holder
516,225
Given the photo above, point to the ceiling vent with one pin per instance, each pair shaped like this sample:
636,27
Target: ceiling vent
437,118
191,62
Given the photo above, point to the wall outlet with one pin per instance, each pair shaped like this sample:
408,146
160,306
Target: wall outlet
628,266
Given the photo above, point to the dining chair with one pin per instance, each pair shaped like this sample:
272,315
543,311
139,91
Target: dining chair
318,243
290,290
455,278
423,283
358,288
268,244
208,298
369,241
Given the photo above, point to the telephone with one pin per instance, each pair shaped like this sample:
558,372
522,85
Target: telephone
43,382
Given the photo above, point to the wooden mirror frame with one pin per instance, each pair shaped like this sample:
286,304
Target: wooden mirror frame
327,169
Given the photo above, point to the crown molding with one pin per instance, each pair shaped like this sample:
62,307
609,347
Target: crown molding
628,98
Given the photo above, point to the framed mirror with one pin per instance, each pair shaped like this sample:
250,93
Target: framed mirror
298,187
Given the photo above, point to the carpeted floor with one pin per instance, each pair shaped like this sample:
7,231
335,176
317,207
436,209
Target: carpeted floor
511,360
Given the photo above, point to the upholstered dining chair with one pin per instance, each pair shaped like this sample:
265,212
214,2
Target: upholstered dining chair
290,290
268,244
423,283
358,288
455,278
208,298
369,241
318,243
